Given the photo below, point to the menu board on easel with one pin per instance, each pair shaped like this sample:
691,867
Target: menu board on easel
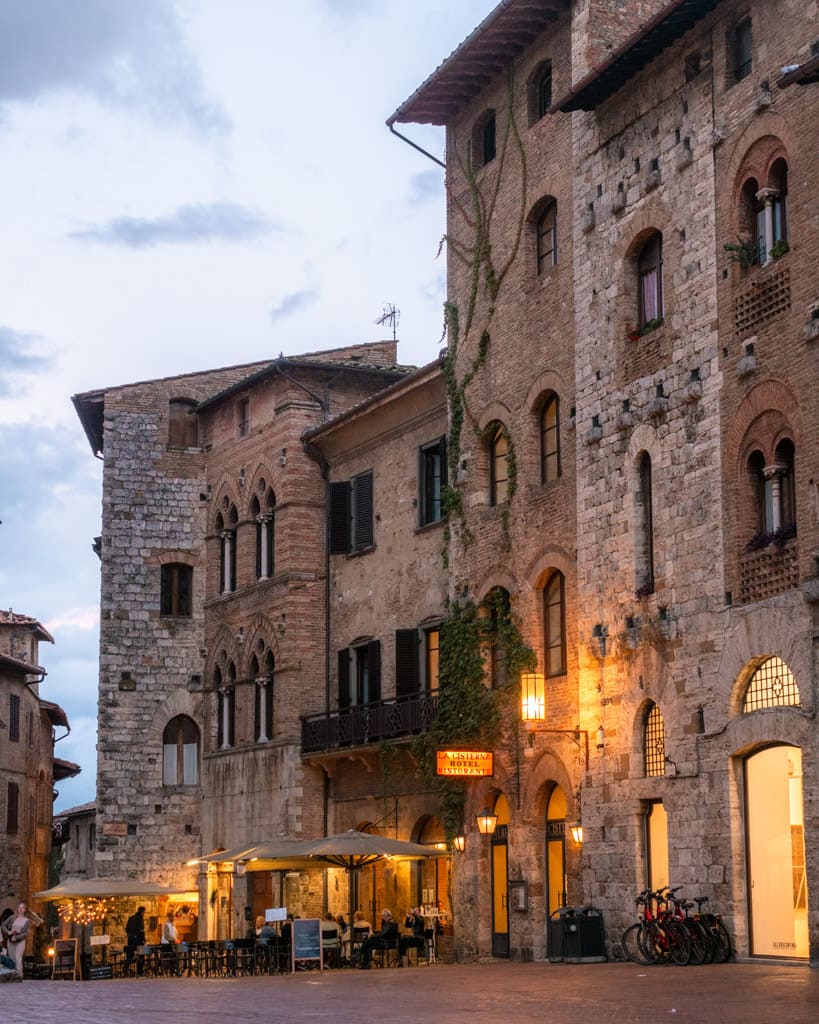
66,963
306,940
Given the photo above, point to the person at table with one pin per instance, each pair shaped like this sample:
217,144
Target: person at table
134,933
415,922
287,930
385,938
360,923
16,930
342,924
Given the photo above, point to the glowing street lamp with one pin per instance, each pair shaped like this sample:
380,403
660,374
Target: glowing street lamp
532,697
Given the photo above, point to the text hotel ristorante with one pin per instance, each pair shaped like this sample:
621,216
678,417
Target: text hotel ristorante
464,762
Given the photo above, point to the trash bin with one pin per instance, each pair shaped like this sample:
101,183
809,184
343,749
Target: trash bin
556,928
583,939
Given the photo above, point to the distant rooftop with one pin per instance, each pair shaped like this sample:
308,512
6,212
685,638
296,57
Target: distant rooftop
12,618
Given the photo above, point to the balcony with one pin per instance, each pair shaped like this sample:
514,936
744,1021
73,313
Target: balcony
368,723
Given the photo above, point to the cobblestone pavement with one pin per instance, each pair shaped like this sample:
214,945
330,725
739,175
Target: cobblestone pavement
511,993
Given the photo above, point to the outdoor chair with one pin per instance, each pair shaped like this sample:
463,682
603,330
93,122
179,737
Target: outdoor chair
331,947
385,953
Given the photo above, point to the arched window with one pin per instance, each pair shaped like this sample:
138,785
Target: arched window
554,625
654,742
773,488
265,534
763,214
226,530
224,681
183,428
498,464
650,280
180,752
644,528
262,669
772,685
540,92
547,237
549,440
497,608
484,139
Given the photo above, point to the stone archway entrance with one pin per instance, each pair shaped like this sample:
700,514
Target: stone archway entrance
775,844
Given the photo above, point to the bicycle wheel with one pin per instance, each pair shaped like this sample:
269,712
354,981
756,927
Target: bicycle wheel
633,946
653,943
722,942
679,945
698,939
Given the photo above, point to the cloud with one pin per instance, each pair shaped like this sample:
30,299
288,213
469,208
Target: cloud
15,360
295,302
426,185
211,222
124,54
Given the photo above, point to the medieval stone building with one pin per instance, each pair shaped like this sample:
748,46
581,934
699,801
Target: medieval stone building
634,296
609,483
28,725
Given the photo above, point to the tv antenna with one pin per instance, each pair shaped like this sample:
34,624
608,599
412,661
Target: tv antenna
391,316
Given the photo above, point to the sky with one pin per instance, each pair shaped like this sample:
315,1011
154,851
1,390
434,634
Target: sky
189,184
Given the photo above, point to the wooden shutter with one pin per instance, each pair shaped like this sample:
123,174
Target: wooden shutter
344,678
374,661
406,662
363,511
339,527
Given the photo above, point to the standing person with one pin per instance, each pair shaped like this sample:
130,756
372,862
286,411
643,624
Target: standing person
17,929
170,936
416,923
134,933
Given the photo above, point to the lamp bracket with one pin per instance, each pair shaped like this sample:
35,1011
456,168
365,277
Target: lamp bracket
574,735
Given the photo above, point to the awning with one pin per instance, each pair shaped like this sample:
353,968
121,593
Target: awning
84,888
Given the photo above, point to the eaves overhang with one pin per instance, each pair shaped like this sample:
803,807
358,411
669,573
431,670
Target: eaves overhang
491,47
639,50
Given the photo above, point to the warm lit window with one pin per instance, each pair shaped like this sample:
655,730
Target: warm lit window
176,589
432,654
554,622
650,280
180,752
654,742
771,685
549,441
498,465
547,237
432,478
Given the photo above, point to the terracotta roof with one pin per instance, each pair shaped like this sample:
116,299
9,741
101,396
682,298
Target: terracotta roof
55,713
673,21
492,46
71,812
802,74
64,769
11,618
24,667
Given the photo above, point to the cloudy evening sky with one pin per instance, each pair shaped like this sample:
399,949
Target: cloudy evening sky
190,184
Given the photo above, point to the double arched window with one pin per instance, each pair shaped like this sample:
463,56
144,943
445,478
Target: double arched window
264,516
224,683
262,667
763,206
226,522
773,488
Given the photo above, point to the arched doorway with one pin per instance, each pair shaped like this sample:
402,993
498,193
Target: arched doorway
500,880
775,844
556,887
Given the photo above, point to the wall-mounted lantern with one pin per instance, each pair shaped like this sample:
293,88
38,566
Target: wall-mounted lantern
487,822
532,697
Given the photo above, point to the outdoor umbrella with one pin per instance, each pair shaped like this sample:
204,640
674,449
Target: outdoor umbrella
86,888
350,850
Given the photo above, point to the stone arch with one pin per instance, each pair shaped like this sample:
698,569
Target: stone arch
763,397
549,768
770,125
760,634
178,702
262,471
547,383
652,215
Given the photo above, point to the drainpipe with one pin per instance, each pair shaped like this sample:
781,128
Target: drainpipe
415,145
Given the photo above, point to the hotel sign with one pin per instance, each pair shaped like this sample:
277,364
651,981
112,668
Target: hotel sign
464,763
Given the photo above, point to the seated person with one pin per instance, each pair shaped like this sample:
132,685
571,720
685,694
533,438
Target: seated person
385,938
359,923
415,922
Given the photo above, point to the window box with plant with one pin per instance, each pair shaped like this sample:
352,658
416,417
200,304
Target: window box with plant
635,333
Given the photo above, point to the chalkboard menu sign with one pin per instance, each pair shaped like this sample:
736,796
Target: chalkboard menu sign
306,939
98,972
65,959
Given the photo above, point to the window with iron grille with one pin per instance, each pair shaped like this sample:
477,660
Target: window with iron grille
772,685
654,742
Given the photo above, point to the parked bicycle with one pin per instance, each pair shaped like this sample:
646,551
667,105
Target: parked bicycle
667,932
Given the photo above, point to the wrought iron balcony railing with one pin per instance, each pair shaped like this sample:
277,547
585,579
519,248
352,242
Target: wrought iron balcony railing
368,723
